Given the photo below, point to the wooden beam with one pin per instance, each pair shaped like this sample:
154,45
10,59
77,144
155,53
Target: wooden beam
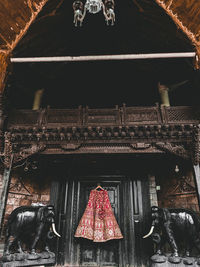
104,57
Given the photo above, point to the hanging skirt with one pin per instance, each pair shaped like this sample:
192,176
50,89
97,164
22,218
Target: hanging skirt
98,222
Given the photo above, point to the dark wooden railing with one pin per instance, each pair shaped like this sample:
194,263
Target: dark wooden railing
104,117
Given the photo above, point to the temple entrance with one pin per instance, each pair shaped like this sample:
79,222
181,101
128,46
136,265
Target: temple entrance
129,198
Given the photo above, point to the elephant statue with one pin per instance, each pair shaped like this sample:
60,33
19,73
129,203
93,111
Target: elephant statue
30,223
175,226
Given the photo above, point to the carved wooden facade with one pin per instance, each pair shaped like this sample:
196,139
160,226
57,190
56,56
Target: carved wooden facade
120,130
123,129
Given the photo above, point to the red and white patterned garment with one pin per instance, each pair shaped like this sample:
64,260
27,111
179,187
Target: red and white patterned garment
98,222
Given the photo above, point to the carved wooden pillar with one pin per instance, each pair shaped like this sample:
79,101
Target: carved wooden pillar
5,170
4,179
4,63
197,180
163,91
196,158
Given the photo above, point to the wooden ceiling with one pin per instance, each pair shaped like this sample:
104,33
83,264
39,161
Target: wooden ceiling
45,28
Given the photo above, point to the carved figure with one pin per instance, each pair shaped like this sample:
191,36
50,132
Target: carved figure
32,223
175,226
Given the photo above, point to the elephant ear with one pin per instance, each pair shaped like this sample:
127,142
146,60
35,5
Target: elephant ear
40,214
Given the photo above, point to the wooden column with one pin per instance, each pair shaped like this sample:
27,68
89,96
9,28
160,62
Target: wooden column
4,179
4,63
4,172
197,180
196,159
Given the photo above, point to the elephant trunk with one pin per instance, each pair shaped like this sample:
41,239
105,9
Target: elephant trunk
150,232
54,230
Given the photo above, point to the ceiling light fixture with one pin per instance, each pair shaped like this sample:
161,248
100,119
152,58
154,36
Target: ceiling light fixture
176,169
93,7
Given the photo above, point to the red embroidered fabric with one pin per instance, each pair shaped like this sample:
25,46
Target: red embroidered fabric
98,222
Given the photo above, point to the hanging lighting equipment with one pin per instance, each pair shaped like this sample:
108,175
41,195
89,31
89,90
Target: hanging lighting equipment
93,7
176,169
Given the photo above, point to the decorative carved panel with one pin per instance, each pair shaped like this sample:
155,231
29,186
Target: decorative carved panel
63,116
141,115
177,190
18,187
24,117
102,116
181,114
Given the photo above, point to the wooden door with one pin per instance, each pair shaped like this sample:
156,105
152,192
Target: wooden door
129,200
94,253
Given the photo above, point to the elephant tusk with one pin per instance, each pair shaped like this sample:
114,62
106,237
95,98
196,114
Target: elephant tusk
54,230
150,232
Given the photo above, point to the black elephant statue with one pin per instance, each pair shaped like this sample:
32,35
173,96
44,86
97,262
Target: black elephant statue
177,227
30,223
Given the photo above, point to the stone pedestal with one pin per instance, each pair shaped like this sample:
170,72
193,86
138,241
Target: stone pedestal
41,260
180,262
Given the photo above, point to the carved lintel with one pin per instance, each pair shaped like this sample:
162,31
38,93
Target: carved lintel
177,150
24,153
140,145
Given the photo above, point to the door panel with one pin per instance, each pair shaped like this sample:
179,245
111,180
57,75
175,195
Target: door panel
104,253
129,200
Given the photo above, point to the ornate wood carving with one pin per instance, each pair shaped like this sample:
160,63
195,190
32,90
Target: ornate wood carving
177,150
70,146
140,146
99,132
125,129
17,187
2,119
182,187
25,152
18,151
8,150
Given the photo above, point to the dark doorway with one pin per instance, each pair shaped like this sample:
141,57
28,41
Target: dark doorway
129,197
